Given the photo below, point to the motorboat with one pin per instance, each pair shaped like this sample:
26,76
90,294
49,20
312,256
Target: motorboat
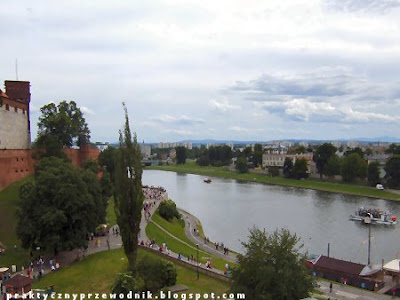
373,216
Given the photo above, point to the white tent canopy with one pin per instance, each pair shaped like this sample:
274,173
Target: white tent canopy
392,266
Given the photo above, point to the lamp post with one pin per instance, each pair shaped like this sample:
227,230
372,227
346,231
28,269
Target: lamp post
197,261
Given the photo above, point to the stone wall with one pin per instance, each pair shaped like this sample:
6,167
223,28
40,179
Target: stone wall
14,124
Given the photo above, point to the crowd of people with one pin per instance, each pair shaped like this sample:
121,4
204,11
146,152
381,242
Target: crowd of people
151,195
40,264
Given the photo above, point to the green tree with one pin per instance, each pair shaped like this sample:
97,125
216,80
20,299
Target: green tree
106,161
272,267
128,191
203,160
257,158
393,149
168,210
353,166
241,165
373,173
357,150
91,165
258,148
300,168
321,156
65,123
368,151
96,193
288,167
56,211
181,154
332,166
392,169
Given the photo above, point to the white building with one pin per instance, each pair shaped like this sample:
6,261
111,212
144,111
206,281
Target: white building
145,150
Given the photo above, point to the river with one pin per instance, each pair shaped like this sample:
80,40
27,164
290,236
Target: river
227,209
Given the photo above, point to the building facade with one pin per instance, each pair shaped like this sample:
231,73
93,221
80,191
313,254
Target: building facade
277,159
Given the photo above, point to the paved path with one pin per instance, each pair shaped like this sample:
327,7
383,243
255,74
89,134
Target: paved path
348,292
191,223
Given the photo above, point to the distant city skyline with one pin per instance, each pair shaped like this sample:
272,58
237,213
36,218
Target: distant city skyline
231,70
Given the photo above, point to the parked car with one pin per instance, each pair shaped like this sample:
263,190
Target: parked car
379,187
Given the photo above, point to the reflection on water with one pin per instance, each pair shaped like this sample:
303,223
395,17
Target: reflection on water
227,208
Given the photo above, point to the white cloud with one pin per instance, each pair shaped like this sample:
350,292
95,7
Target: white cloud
238,129
87,110
222,105
183,119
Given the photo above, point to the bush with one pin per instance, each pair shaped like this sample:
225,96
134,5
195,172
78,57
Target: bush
168,211
156,273
273,171
125,282
242,165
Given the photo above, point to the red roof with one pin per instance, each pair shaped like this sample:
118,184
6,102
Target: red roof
18,281
338,265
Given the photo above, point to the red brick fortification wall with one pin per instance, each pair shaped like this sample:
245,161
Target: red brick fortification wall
15,165
78,156
88,152
73,155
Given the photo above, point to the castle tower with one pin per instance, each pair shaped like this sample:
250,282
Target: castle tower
15,130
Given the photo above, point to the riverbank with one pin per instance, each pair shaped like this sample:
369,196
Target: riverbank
315,184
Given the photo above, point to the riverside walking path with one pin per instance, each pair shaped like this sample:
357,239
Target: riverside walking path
191,222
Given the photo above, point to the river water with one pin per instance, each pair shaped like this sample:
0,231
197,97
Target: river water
227,209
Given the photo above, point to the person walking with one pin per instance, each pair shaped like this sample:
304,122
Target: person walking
330,287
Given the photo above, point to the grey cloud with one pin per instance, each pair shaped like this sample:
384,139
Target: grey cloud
321,83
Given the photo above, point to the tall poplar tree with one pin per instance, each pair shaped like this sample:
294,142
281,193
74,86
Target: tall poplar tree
128,193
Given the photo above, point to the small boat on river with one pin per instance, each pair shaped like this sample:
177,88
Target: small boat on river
373,216
207,180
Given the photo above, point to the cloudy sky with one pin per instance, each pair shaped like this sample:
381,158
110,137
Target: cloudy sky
190,69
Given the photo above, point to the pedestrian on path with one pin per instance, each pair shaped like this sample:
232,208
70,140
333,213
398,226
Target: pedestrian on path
330,287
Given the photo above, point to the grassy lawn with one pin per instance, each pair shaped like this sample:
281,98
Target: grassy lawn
152,231
315,184
175,227
97,273
8,222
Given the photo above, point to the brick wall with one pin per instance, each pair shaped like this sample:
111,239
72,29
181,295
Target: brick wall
17,164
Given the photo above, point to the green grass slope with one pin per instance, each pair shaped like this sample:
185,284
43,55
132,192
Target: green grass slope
8,222
97,272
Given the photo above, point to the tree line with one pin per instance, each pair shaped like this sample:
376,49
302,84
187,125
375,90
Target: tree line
353,166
